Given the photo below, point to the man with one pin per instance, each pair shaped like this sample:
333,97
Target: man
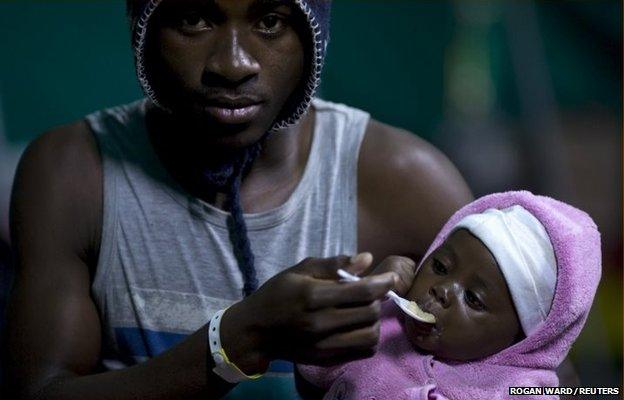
129,230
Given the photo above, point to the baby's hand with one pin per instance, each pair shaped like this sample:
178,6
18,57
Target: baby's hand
403,267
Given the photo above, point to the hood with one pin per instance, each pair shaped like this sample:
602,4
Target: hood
228,176
576,242
532,361
396,371
317,16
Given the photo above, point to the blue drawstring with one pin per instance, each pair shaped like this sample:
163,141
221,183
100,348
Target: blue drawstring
228,177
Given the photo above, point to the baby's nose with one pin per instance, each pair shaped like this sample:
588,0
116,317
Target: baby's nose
441,294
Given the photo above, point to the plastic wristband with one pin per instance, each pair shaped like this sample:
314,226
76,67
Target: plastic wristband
223,366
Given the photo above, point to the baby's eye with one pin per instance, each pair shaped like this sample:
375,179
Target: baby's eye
271,23
438,267
473,300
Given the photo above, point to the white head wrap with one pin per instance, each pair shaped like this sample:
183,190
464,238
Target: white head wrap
525,256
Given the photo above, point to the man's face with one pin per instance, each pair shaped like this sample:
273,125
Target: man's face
226,66
460,283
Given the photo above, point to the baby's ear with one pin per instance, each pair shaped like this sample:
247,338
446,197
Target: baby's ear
403,267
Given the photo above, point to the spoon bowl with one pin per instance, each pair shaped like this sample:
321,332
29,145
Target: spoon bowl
408,307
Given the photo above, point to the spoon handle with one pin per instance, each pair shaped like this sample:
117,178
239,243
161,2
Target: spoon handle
353,278
394,296
347,276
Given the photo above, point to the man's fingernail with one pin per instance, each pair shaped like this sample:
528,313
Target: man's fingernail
362,257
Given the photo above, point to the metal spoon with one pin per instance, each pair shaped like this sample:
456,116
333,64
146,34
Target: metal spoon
409,307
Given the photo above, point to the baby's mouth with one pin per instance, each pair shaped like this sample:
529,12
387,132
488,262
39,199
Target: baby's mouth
427,307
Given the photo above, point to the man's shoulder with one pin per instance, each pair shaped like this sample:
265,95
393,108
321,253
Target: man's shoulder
67,145
56,202
64,160
399,149
388,151
406,187
60,173
123,117
80,137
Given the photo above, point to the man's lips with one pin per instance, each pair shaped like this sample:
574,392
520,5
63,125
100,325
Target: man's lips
233,110
233,116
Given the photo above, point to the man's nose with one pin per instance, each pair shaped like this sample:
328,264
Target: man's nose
229,63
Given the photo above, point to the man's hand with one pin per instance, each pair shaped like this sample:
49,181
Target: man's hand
306,316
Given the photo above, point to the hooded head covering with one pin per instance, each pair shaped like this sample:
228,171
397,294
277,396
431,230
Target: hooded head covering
400,372
532,362
316,12
522,249
227,177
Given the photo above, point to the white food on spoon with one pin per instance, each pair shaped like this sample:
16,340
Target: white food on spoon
409,307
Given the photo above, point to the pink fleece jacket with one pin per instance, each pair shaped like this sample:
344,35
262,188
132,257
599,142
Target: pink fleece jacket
398,372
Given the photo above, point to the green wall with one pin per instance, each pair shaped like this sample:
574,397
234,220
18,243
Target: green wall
62,59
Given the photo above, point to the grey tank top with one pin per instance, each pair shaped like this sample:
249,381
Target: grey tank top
166,263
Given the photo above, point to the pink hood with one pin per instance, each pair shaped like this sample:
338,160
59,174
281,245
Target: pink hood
532,361
398,371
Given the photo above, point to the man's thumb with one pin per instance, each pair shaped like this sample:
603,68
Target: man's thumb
359,263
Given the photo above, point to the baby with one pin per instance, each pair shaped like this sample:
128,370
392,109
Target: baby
510,280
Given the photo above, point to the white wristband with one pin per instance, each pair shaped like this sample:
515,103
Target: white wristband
223,367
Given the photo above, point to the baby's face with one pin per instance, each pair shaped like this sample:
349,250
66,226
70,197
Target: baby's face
461,284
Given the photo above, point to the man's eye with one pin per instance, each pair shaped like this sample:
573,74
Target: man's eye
438,267
193,22
473,301
271,23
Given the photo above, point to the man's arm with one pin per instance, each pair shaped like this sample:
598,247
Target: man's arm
53,324
407,190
